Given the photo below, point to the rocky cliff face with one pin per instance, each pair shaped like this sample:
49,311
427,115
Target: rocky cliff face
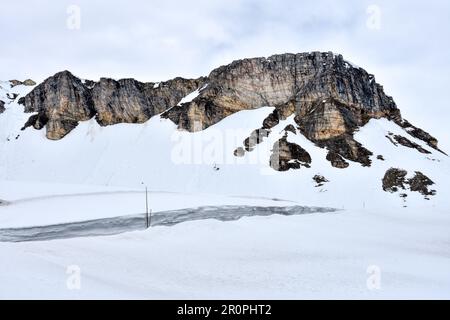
63,100
328,98
131,101
303,80
60,102
287,155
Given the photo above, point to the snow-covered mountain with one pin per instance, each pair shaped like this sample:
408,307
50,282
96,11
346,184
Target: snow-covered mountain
306,127
255,137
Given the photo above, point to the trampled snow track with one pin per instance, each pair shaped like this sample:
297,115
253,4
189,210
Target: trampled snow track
115,225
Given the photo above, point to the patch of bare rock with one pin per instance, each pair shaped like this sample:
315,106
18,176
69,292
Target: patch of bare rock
398,139
287,155
395,180
320,180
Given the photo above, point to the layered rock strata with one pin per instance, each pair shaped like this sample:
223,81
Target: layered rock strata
328,98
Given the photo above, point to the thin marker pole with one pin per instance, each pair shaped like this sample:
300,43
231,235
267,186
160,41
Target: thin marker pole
147,221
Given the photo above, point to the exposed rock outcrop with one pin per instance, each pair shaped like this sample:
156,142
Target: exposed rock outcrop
290,128
281,112
27,82
346,147
38,121
239,152
298,79
287,155
120,101
336,160
419,133
320,180
420,183
14,83
328,98
2,106
131,101
395,179
63,100
12,96
256,137
407,143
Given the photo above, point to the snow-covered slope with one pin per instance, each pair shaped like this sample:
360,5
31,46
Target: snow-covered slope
275,257
321,255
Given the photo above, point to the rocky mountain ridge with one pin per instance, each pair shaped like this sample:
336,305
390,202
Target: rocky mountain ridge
63,100
328,97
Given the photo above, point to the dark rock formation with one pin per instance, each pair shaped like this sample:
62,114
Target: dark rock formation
271,120
14,83
320,180
38,121
302,80
420,183
281,112
239,152
258,135
287,155
328,97
336,160
63,100
408,143
380,157
389,137
2,106
290,128
120,101
27,82
131,101
395,179
12,96
419,134
346,147
255,138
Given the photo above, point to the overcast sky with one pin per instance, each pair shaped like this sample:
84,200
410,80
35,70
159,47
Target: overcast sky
404,43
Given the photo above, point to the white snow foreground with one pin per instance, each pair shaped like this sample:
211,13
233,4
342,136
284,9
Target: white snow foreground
354,254
374,248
